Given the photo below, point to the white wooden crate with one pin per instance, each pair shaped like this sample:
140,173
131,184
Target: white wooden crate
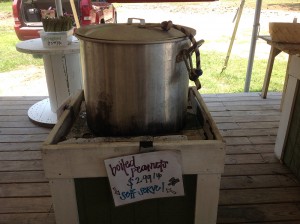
64,162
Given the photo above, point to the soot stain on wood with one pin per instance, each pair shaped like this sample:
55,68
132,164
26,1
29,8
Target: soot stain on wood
193,126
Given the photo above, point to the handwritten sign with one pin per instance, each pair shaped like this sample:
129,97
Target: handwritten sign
56,39
144,176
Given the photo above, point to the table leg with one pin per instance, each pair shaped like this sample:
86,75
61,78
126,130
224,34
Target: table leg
41,114
273,53
64,201
63,75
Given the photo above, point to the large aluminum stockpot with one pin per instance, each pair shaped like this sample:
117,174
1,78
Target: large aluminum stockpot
132,82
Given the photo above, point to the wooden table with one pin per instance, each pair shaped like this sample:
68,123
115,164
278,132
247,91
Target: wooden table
63,75
276,48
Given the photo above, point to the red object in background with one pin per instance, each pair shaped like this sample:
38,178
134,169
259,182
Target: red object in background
156,1
27,14
85,8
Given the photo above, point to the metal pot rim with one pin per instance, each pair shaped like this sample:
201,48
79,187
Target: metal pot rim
150,33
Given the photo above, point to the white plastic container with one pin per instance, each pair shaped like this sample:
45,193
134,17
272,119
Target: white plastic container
56,39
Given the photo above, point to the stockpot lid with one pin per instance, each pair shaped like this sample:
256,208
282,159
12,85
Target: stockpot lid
128,33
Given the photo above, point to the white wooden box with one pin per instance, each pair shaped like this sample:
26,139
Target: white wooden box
56,39
65,160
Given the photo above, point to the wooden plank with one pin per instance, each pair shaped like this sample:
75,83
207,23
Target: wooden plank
245,113
294,67
23,138
262,139
237,141
259,195
249,96
27,218
209,95
262,118
221,114
271,213
207,115
219,120
24,190
85,160
218,107
12,112
255,169
239,97
247,149
254,102
268,124
276,95
20,124
253,107
17,102
24,146
244,159
250,132
291,156
247,119
15,107
230,94
66,119
207,197
214,104
20,155
270,158
273,53
35,165
288,105
227,126
259,181
23,118
23,177
22,98
24,131
64,200
28,205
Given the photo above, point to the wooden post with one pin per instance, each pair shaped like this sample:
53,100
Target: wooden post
64,201
75,13
288,104
273,53
207,200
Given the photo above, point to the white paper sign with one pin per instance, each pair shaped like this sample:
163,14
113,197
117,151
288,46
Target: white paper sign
143,176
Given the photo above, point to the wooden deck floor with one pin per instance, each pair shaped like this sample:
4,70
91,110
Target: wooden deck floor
255,188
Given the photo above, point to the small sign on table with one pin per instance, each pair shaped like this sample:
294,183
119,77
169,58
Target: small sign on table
144,176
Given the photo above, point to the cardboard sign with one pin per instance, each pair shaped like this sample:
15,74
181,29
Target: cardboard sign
56,39
144,176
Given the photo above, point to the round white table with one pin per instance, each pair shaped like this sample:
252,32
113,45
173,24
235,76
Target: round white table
63,74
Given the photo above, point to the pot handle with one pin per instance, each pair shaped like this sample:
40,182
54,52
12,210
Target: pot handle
142,21
186,54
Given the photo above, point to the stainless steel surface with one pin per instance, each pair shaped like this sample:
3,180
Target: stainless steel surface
130,33
134,89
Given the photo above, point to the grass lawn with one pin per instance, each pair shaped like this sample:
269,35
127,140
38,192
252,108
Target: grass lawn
213,81
11,59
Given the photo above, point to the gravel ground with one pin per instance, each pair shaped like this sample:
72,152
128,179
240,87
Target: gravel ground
213,22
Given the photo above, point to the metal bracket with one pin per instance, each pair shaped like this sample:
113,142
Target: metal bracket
146,146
